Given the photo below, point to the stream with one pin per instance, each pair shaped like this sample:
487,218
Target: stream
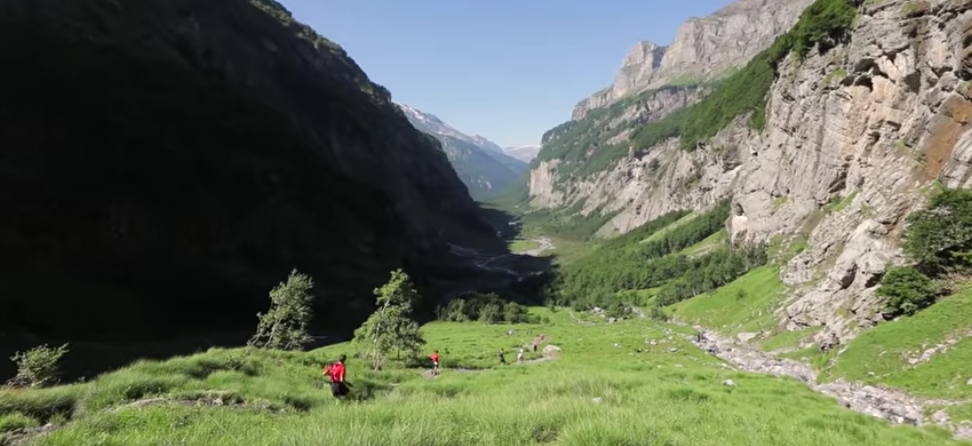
892,405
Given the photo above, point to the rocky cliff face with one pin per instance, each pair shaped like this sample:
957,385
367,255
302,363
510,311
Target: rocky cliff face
867,128
568,147
166,163
703,48
481,164
855,138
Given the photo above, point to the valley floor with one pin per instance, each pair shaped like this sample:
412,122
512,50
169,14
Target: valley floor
636,382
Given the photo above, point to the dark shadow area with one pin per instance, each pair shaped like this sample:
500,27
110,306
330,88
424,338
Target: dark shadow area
158,180
86,360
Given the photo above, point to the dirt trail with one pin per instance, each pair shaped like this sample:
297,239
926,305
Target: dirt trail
545,245
893,405
428,373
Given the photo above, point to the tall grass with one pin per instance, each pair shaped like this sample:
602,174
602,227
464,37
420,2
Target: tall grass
611,386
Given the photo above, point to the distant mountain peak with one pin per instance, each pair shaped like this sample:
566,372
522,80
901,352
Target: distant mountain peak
525,153
481,164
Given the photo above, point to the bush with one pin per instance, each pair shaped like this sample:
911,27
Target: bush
939,237
658,314
741,294
38,366
490,313
487,308
907,290
617,310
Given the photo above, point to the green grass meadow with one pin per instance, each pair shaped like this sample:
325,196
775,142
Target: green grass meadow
609,386
518,246
744,305
881,354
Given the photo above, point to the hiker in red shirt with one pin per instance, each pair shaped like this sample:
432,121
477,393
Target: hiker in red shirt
336,372
435,362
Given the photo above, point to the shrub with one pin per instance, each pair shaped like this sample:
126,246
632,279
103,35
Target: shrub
38,366
907,290
488,308
939,237
741,294
490,313
617,310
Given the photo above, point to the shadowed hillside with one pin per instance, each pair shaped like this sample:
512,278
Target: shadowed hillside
166,163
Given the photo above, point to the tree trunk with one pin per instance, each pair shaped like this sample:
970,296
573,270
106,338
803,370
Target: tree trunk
374,342
273,332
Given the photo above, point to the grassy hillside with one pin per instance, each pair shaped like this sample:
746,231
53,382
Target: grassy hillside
652,256
609,386
892,353
744,305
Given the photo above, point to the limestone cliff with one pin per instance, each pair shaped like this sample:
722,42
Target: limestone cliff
576,148
703,48
854,139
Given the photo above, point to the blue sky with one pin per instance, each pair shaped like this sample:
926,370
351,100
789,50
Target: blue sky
505,69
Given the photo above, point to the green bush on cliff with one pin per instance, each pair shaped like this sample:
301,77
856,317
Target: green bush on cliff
907,290
938,239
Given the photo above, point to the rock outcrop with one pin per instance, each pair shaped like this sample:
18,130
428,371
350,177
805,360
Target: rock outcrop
703,48
167,162
854,139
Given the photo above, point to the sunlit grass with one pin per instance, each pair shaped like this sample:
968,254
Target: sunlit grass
610,385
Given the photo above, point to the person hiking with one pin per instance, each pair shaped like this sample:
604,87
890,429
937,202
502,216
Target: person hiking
502,357
435,362
519,355
335,372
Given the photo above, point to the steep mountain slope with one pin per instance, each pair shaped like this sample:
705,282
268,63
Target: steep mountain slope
704,48
166,163
480,163
524,153
653,82
824,143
